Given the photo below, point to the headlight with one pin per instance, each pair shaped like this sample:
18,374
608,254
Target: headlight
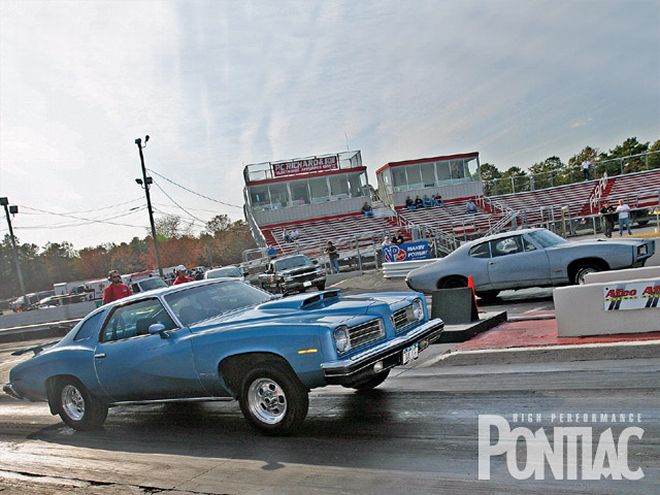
288,278
342,341
418,310
642,250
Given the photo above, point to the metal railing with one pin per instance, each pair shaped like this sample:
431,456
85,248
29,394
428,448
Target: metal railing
571,175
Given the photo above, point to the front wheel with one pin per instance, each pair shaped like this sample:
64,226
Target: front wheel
488,295
273,399
321,285
372,382
77,407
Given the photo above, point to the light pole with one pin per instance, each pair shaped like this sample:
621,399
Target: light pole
145,182
13,209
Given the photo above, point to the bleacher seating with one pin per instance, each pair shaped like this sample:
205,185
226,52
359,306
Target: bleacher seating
450,218
342,231
638,190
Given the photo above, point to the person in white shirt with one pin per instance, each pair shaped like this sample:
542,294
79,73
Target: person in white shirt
585,168
623,210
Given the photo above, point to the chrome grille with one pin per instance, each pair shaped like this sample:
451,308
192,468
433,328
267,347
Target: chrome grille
402,318
365,333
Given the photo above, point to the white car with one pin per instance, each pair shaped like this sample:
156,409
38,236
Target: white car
229,271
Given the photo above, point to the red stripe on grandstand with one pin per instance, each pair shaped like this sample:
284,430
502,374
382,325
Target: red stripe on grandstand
473,154
310,220
305,176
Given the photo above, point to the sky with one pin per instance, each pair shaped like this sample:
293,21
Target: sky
221,84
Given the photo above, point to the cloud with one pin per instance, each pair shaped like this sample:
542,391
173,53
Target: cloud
581,122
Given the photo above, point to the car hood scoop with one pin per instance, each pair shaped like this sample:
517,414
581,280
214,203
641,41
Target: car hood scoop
303,301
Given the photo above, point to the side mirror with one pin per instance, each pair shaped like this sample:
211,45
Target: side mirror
158,328
316,262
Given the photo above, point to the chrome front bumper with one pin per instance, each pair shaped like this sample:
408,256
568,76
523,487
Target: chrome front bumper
9,390
359,367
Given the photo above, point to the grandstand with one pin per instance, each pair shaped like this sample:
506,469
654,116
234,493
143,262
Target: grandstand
321,197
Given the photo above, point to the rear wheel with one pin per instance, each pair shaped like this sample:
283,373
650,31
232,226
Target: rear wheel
320,286
454,282
77,407
273,399
583,270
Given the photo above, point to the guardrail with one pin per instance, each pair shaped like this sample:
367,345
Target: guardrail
401,268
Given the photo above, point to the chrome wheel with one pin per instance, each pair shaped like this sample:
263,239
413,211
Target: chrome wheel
583,272
267,401
73,403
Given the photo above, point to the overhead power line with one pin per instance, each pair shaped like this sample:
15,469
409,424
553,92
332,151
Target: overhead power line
177,204
193,192
84,219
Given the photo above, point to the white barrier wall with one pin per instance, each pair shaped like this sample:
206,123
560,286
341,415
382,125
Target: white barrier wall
580,311
37,316
620,275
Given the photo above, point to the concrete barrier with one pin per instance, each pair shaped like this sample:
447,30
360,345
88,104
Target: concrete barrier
68,312
621,275
581,311
401,268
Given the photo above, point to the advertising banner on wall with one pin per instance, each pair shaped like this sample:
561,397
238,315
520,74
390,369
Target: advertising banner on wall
635,295
297,167
408,251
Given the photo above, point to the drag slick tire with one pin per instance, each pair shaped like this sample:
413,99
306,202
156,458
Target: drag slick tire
273,399
372,382
76,406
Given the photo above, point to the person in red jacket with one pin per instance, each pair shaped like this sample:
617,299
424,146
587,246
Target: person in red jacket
117,289
181,277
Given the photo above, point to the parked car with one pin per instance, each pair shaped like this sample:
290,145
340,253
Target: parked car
148,283
528,258
295,273
224,340
229,271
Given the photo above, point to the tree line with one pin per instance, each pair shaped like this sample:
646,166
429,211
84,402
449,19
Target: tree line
553,172
220,243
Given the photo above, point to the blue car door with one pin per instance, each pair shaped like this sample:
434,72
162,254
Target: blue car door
132,364
517,262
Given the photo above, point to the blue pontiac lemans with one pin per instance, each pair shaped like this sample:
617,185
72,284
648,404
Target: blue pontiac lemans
224,340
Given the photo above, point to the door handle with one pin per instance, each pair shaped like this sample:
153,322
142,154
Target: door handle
99,356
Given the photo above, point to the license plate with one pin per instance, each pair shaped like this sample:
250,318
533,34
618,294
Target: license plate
307,284
410,353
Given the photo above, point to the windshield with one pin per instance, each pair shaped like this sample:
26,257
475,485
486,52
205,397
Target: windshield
546,238
152,283
288,263
207,301
228,271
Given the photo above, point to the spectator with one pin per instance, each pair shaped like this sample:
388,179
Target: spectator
294,235
398,239
271,252
410,204
387,242
418,202
624,217
182,276
367,211
286,236
117,289
428,202
608,212
333,257
437,200
470,207
585,168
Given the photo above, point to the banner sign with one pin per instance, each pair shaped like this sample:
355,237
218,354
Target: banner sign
636,295
297,167
408,251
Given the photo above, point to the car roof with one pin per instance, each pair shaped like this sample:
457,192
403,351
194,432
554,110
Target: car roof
163,291
501,235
